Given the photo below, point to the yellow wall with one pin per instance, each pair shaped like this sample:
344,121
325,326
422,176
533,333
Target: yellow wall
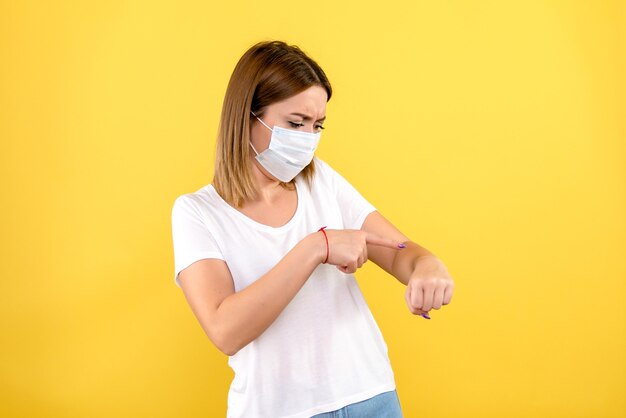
491,132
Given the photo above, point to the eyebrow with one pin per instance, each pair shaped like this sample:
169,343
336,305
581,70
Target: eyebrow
306,117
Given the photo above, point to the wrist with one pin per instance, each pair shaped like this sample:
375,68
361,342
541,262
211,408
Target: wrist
425,260
317,246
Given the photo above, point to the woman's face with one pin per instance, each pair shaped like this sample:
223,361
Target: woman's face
304,112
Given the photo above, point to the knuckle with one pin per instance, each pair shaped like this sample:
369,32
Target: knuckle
431,282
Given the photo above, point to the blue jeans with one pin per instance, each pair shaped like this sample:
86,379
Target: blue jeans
383,405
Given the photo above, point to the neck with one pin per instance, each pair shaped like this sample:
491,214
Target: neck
267,187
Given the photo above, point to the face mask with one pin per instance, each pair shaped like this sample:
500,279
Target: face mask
288,153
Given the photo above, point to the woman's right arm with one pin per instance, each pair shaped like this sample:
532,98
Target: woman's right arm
232,319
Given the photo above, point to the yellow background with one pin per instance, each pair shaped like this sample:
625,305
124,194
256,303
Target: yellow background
491,132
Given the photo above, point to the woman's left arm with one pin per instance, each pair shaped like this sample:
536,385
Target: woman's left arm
429,285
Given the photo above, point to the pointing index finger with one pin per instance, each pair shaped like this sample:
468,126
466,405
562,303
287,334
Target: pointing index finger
385,242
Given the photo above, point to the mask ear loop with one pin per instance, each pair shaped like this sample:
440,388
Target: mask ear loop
250,142
261,121
255,151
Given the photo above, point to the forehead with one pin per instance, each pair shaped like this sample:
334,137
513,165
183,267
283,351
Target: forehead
311,102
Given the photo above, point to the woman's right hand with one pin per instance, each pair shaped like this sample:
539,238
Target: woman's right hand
347,248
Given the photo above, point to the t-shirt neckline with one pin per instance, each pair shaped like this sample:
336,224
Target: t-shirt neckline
258,225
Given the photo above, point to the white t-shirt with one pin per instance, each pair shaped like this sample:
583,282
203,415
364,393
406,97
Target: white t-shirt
325,350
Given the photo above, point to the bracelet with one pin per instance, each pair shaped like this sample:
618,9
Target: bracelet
327,248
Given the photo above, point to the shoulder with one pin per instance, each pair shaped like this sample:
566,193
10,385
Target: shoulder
321,164
197,201
327,173
323,169
324,174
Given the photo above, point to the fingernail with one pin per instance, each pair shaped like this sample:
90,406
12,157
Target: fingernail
401,246
425,315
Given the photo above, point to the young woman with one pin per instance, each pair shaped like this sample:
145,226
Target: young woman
266,254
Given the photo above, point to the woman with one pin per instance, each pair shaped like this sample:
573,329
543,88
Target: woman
265,254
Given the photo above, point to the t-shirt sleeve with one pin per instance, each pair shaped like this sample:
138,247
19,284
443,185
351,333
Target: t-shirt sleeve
191,237
354,207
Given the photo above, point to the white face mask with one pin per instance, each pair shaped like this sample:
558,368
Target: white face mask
288,153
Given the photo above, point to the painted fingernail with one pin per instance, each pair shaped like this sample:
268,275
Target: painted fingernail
425,315
401,246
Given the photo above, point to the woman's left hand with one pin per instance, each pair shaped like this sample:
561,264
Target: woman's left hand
430,286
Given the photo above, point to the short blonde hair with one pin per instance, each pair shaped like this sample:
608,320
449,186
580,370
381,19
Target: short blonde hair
268,72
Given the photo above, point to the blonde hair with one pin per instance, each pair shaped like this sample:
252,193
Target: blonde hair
268,72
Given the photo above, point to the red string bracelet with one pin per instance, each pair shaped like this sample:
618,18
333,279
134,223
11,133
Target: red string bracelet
327,249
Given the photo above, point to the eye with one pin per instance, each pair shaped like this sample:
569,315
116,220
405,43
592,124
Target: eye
299,124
